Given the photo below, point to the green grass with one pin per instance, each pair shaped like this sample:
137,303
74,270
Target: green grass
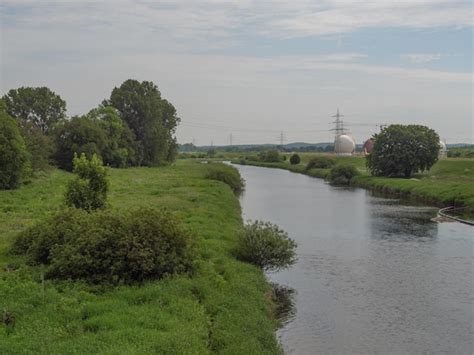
450,182
223,308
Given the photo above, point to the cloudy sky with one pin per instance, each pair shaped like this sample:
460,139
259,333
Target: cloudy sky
254,68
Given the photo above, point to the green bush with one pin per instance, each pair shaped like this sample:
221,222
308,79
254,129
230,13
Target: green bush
227,174
88,190
264,244
14,157
342,174
295,159
320,162
108,247
270,156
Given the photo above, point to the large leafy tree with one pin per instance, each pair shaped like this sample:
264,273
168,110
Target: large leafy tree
14,158
101,132
151,118
38,106
401,150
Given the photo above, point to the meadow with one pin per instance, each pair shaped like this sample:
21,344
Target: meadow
450,182
223,307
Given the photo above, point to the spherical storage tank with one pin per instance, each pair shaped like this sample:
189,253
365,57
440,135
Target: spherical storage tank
443,150
344,145
368,146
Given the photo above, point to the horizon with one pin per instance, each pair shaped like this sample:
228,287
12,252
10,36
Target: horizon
254,69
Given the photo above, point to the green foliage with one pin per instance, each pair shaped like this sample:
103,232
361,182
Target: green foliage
320,162
342,174
295,159
152,119
39,106
267,246
270,156
101,132
14,157
227,174
39,145
224,307
401,150
88,190
108,247
461,152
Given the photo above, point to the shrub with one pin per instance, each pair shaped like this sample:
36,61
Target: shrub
342,174
108,247
88,190
270,156
267,246
227,174
320,162
295,159
14,157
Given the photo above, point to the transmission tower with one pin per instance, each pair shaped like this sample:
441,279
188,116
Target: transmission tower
231,138
281,138
339,128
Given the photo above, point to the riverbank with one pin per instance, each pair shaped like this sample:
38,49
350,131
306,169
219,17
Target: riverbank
223,307
449,182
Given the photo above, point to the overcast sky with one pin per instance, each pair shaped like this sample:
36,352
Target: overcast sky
254,68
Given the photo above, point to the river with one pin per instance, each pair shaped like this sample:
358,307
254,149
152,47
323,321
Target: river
373,275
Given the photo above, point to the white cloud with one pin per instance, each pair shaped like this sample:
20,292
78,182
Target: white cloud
420,58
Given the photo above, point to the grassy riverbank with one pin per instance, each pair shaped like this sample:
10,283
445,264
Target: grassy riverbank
224,307
449,182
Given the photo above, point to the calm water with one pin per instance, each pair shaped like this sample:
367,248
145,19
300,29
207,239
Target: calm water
373,275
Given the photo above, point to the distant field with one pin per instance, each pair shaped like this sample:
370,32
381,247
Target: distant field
224,307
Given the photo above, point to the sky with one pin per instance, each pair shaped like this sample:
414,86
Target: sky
254,69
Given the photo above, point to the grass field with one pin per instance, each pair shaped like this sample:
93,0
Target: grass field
450,182
223,308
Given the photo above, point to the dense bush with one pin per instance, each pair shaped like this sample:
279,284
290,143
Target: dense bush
88,190
14,157
295,159
227,174
342,174
108,247
320,162
270,156
267,246
100,132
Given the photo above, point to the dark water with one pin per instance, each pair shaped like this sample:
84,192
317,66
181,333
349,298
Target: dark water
373,275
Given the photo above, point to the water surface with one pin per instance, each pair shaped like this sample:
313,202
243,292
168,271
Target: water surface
373,275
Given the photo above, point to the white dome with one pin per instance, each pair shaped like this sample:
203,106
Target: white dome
442,146
344,144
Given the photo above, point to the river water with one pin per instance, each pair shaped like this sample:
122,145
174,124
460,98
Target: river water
373,275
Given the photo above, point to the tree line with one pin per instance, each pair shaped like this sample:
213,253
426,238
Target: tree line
135,126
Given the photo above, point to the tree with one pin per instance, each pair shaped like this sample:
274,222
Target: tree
76,136
39,106
295,159
401,150
121,148
14,157
151,118
88,191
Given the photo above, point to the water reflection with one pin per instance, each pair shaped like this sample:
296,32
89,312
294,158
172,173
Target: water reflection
373,275
283,297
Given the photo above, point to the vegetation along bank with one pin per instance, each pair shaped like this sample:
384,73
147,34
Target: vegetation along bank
222,306
449,182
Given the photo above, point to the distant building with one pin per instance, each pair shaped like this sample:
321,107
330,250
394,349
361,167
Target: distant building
443,150
344,145
368,146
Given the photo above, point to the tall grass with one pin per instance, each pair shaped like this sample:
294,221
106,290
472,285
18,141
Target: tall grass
223,307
